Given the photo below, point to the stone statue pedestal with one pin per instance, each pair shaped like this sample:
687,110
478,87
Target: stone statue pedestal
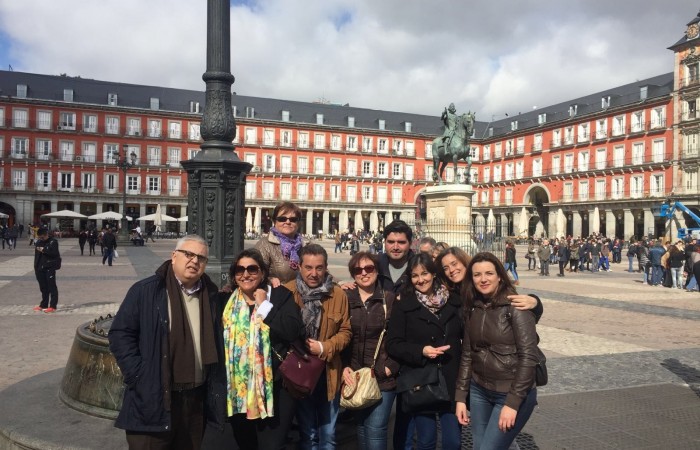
449,213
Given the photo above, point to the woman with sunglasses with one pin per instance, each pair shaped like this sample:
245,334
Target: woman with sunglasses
281,246
258,322
370,308
454,262
424,334
499,354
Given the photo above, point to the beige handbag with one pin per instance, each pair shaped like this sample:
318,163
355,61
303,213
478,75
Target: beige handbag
365,392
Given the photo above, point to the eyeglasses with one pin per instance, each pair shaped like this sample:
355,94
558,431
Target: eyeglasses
252,269
190,256
292,219
358,270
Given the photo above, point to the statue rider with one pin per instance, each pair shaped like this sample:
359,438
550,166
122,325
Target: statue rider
449,118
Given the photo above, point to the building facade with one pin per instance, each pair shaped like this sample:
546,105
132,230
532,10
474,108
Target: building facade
600,163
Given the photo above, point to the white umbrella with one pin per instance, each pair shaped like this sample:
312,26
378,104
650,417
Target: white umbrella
108,215
257,221
67,213
524,223
595,222
3,216
163,218
561,223
249,220
359,223
374,221
491,221
183,219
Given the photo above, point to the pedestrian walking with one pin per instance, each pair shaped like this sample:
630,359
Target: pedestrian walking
47,260
109,244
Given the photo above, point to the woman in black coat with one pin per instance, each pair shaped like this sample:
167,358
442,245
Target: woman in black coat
425,332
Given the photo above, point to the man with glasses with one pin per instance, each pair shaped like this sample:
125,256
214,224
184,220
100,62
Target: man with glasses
163,339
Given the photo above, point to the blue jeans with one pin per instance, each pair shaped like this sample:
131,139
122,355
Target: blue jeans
692,283
631,259
510,267
373,423
596,263
485,409
657,274
604,262
108,255
426,429
677,274
317,417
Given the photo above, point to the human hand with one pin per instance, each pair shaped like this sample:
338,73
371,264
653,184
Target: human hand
349,376
348,285
522,302
506,420
387,371
314,346
260,295
274,282
431,352
461,413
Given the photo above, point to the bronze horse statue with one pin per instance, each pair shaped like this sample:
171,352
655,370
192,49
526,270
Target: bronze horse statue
454,149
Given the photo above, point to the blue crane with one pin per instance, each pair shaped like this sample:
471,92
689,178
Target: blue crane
668,210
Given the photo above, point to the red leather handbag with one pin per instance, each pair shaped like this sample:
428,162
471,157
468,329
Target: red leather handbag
301,370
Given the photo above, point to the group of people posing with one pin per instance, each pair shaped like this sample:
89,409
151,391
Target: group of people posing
192,354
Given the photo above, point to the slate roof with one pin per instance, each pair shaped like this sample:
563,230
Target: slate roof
88,91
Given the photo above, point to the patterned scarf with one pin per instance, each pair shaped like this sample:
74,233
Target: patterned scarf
248,360
311,312
434,302
290,247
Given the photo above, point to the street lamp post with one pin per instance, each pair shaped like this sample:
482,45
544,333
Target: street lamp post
125,163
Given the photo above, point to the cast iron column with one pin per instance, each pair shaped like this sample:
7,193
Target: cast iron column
216,176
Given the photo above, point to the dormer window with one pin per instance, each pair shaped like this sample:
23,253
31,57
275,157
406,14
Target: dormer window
22,91
249,112
285,116
408,127
319,119
68,95
382,124
572,110
542,118
490,132
643,92
194,107
605,102
351,122
112,100
155,104
513,125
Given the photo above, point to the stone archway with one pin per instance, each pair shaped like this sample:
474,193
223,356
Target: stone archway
8,209
535,200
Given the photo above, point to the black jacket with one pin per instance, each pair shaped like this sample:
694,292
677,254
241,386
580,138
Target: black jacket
385,280
412,327
109,241
48,258
286,326
139,340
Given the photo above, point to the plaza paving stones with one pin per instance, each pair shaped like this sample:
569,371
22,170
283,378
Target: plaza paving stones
623,357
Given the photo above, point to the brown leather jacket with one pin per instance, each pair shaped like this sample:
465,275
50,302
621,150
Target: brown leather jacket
498,351
269,248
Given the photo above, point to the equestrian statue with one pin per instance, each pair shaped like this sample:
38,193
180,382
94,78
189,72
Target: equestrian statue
453,145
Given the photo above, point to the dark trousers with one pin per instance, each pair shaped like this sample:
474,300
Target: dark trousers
92,247
544,267
107,255
562,264
187,425
270,433
82,247
47,285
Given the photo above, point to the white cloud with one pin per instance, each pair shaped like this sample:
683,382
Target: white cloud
404,55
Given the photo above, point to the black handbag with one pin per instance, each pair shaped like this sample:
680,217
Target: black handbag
541,376
423,389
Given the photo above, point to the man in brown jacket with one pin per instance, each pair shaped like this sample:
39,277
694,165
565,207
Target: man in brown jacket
324,310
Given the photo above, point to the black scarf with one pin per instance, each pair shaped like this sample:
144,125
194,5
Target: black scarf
311,311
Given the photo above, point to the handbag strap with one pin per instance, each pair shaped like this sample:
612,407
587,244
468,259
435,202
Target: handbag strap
381,336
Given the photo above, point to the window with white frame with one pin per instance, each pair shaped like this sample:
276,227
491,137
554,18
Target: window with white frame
509,196
89,152
336,169
268,190
568,135
112,125
319,192
20,147
428,172
174,130
22,91
520,145
111,183
487,152
408,172
658,150
484,197
487,174
174,186
617,190
20,118
319,119
600,189
583,160
638,153
690,180
537,167
351,143
153,156
601,128
285,116
510,171
250,189
174,156
410,148
352,168
474,177
538,142
319,166
252,159
367,144
498,150
509,147
656,184
268,163
569,163
583,133
194,131
381,194
398,147
519,169
496,197
303,164
192,152
320,141
658,117
556,165
110,154
133,184
133,126
90,123
67,151
335,142
583,190
154,128
637,186
2,117
351,193
43,120
381,169
429,150
619,156
618,127
600,157
285,191
43,149
568,192
65,181
43,180
286,138
303,139
396,195
251,136
497,173
367,168
335,193
396,171
450,175
302,191
367,194
153,185
556,138
286,164
19,179
637,120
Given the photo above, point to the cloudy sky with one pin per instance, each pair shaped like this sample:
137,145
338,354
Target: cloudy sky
489,56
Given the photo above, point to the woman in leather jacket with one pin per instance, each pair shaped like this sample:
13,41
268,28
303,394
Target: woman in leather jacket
499,354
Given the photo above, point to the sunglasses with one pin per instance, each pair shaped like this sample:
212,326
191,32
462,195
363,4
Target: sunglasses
358,270
190,256
292,219
252,269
